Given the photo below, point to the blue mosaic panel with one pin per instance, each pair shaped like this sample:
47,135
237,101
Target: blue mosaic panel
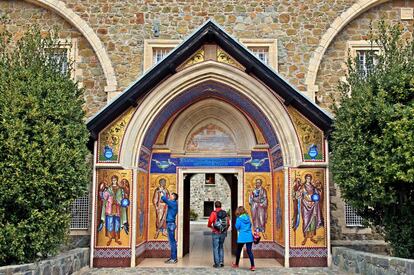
259,162
215,90
162,163
211,162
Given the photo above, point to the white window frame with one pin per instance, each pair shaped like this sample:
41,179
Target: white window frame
151,44
270,44
71,47
360,45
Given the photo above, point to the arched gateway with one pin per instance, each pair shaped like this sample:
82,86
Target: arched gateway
210,107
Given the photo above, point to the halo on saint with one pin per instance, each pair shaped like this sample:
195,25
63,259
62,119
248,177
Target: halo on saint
262,178
157,181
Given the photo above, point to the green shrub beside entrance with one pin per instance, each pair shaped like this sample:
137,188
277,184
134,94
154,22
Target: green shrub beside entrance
373,139
43,154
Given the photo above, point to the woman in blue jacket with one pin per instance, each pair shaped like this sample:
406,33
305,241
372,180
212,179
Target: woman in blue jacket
245,236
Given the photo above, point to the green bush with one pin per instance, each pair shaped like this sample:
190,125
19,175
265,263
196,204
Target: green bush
43,154
193,215
373,139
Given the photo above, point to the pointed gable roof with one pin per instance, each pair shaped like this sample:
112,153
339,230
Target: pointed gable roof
209,32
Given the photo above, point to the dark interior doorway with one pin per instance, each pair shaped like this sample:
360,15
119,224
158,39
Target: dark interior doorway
208,208
232,181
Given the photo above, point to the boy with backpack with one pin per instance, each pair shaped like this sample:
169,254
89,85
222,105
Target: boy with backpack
219,222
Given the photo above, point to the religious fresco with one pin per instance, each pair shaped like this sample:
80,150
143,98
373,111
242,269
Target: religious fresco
277,157
194,59
258,202
160,185
311,138
307,209
110,139
113,208
210,138
224,57
279,201
142,183
144,159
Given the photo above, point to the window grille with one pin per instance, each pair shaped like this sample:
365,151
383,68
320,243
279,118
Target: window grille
351,216
80,213
158,54
261,53
365,65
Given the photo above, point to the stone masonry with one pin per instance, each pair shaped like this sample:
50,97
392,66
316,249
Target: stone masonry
200,192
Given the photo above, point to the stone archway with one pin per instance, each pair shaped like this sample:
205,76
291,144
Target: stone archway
238,82
80,24
252,89
336,27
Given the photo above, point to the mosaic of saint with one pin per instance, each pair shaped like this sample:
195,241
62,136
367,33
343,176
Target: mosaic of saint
160,207
210,138
307,204
258,191
161,185
113,207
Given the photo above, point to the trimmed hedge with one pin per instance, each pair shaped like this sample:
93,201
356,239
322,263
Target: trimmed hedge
373,140
43,153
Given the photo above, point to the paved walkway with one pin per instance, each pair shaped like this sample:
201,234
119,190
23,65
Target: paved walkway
206,270
200,259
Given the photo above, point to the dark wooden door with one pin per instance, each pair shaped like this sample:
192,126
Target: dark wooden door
233,183
186,214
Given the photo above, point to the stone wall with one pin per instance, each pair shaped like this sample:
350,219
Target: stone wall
123,25
201,192
65,263
331,70
357,262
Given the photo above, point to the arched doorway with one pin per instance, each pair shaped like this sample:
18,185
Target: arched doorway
208,131
211,106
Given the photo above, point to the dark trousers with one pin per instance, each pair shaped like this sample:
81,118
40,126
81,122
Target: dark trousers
249,252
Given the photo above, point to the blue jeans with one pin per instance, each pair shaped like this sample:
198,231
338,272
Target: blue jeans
171,238
218,250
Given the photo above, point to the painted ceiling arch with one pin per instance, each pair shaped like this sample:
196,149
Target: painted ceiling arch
212,115
211,89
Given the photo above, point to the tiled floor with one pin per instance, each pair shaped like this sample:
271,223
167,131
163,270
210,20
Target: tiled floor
201,253
200,259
